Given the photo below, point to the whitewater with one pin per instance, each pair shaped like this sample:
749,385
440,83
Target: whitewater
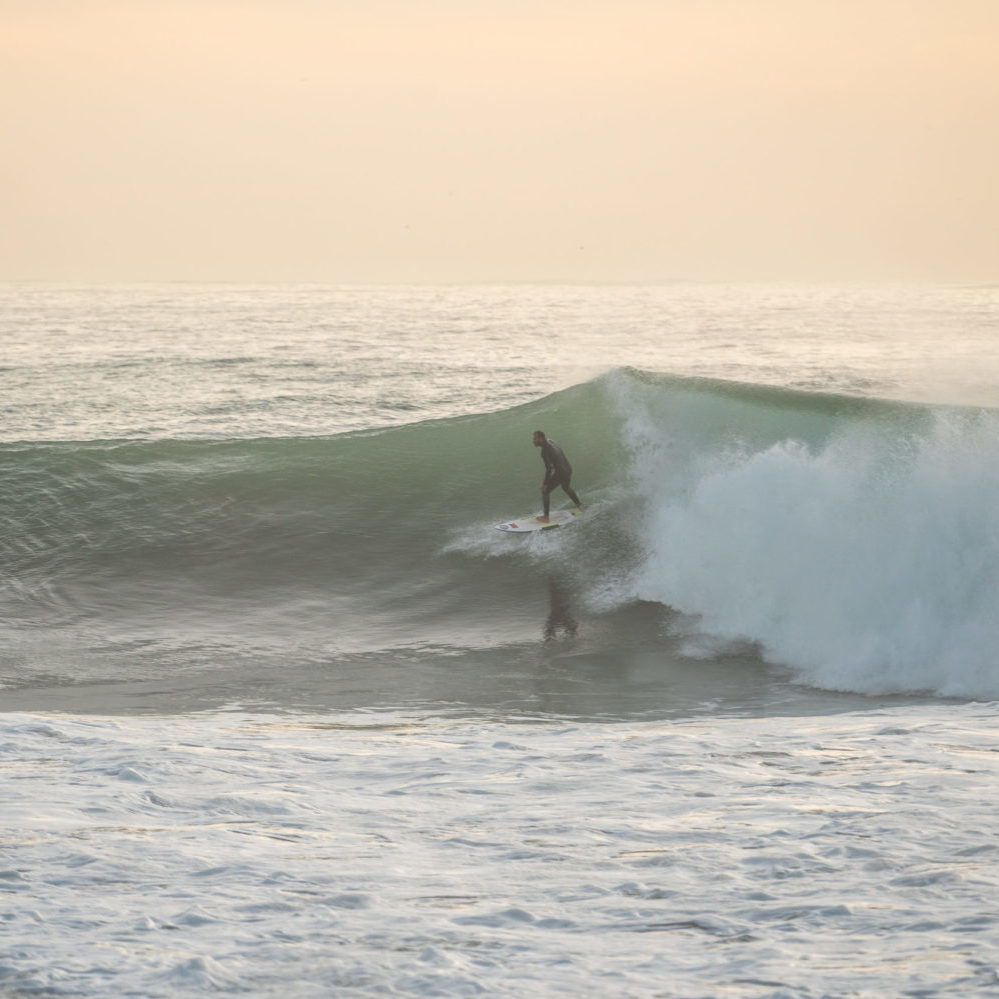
282,714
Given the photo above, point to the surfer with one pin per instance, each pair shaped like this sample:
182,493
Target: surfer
558,472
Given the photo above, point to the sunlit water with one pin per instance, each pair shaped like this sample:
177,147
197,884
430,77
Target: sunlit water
284,715
190,360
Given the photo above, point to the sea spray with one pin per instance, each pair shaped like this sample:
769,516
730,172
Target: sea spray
858,546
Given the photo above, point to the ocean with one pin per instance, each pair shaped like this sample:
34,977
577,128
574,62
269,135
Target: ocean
282,714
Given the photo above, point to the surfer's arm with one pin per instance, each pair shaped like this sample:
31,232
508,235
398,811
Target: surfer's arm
549,459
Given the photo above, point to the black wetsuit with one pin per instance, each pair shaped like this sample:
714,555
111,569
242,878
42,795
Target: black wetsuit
558,472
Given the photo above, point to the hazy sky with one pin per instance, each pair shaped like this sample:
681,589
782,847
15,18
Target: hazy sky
465,140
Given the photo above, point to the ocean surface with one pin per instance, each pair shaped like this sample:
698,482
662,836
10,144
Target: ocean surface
282,714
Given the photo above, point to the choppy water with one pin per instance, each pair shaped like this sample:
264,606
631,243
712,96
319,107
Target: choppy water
400,855
282,704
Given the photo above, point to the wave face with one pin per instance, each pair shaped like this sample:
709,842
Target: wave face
854,542
130,559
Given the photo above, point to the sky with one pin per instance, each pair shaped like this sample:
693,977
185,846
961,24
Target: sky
422,141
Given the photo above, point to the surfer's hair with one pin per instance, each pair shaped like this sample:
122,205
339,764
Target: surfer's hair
541,434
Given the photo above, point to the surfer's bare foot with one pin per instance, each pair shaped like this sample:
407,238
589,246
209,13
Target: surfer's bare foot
543,519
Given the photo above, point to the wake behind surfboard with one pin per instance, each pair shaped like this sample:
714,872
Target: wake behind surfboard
527,525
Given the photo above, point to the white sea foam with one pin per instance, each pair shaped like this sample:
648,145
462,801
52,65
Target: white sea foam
389,854
867,560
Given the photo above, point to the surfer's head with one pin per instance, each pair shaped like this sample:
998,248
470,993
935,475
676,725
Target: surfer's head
539,438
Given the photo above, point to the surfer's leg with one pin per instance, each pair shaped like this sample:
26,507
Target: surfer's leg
546,500
569,492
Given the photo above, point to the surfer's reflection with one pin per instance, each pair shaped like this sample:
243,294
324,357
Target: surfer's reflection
560,616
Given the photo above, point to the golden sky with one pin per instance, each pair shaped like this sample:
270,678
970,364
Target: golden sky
479,140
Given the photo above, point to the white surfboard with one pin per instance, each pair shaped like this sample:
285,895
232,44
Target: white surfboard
525,525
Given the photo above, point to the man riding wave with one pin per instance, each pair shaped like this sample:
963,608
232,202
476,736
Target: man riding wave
558,472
